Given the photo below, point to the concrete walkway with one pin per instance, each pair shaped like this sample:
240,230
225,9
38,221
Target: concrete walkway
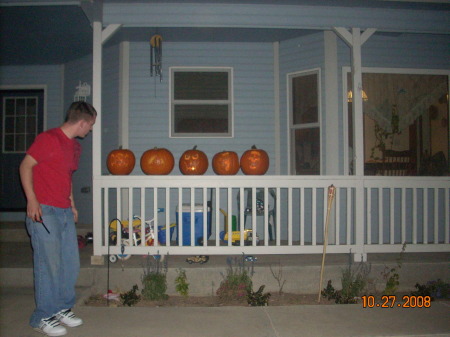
16,305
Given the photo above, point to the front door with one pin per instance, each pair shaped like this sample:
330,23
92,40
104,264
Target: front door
21,120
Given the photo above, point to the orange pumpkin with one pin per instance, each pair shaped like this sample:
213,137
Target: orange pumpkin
157,161
193,162
120,161
255,161
226,163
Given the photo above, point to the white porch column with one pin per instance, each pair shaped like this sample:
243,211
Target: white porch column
124,95
355,40
331,105
100,36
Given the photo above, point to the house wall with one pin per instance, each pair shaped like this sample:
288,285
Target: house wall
252,65
50,78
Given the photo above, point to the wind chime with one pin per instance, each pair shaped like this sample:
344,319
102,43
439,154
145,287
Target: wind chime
156,56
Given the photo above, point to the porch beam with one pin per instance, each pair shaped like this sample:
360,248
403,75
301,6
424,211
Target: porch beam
109,31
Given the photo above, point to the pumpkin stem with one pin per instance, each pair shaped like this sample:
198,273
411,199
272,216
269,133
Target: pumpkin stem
195,147
120,147
254,147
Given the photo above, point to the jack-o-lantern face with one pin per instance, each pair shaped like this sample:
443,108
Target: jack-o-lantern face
193,162
255,161
226,163
120,162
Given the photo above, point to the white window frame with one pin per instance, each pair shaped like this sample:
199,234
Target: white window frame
229,101
291,127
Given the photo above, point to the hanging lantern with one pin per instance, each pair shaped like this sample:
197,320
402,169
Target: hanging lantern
156,56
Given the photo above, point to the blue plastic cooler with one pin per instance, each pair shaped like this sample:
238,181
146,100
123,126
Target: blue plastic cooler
198,226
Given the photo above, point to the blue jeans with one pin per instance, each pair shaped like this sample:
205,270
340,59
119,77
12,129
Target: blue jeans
56,262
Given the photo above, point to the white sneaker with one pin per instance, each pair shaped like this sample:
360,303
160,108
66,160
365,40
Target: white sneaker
68,318
51,327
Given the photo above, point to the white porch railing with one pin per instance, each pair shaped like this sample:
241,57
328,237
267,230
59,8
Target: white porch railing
369,214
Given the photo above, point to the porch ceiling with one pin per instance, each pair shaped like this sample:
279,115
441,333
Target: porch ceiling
34,32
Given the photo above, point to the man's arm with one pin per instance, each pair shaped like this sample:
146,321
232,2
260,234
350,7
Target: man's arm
34,210
72,204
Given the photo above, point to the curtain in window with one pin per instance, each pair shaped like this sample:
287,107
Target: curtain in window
407,96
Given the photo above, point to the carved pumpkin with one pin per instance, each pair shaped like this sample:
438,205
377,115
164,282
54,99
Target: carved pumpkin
255,161
120,161
157,161
226,163
193,162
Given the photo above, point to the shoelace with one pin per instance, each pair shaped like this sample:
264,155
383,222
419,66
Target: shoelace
68,313
51,321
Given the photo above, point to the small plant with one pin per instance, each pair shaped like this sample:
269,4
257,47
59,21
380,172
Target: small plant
154,280
181,285
130,298
434,289
257,298
279,277
392,276
353,281
236,282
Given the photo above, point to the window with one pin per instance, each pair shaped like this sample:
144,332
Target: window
201,102
20,120
406,122
304,123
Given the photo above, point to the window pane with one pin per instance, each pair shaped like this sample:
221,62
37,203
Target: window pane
201,119
31,106
20,125
405,124
20,143
307,151
20,106
9,107
31,125
305,99
9,143
200,85
9,124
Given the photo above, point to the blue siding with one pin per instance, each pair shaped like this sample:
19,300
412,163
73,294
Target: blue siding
50,76
252,64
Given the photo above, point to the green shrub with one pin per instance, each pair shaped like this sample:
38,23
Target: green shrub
154,281
392,276
258,299
130,298
353,281
236,282
434,289
181,285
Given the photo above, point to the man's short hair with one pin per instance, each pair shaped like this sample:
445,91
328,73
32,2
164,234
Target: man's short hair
80,110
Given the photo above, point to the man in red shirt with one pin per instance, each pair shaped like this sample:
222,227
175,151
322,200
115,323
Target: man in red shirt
46,176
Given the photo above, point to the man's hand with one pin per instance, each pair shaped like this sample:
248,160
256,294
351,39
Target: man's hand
75,214
34,210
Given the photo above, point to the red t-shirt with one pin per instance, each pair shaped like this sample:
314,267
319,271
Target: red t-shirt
57,158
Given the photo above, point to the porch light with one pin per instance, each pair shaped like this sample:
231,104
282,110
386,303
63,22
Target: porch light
350,96
83,91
